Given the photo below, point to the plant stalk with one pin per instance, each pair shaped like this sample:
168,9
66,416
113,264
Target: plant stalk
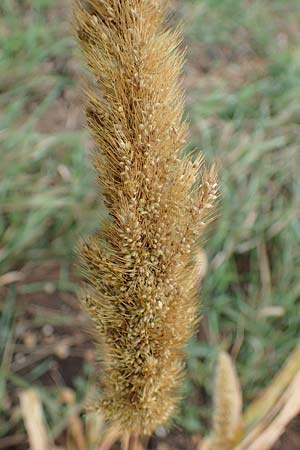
132,443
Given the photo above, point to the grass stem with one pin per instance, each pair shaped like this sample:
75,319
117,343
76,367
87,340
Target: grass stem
132,443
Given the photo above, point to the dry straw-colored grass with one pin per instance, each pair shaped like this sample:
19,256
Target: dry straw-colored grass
265,419
142,266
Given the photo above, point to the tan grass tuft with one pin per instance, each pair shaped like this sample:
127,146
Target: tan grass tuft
228,405
141,267
32,412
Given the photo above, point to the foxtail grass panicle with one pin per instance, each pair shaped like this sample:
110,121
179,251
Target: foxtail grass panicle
142,267
228,405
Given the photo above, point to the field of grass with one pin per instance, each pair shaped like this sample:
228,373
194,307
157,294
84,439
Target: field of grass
243,90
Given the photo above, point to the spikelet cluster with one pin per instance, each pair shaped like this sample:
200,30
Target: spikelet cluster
142,266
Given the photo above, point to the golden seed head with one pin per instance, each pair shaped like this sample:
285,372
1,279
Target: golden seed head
141,267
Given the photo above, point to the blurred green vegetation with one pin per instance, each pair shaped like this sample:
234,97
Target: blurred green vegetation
243,88
46,181
47,201
245,111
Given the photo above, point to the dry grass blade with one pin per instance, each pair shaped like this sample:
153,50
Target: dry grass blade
76,438
259,408
266,438
11,277
111,437
32,412
228,405
266,418
92,436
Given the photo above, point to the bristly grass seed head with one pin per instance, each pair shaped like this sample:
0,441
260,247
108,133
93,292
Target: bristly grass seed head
141,267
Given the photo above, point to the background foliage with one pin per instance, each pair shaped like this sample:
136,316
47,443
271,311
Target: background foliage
242,82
